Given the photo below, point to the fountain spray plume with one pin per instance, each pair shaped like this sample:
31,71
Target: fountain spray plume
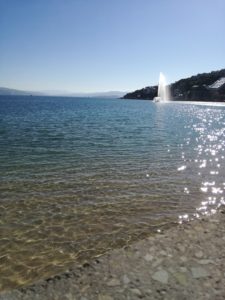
163,89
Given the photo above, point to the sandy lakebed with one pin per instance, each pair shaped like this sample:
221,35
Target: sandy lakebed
183,262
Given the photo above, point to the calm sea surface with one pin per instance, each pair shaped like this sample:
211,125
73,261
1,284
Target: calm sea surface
81,176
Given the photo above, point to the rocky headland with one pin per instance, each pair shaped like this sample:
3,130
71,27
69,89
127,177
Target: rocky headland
196,88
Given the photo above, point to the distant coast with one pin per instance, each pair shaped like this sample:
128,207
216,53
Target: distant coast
201,87
13,92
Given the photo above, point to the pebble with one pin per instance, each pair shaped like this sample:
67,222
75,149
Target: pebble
183,259
70,296
148,257
164,253
125,279
181,278
199,254
205,261
181,247
136,292
199,272
149,292
161,276
113,282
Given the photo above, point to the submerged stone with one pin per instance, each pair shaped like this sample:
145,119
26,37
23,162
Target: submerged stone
181,278
161,276
148,257
136,292
125,279
113,282
205,261
199,254
199,272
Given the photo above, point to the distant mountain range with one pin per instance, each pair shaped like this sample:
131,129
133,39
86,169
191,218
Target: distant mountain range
13,92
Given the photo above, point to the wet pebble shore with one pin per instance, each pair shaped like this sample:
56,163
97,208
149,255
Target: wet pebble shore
185,262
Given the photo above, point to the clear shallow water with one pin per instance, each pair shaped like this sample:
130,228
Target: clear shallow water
81,176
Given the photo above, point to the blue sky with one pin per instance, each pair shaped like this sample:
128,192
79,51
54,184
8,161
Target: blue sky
103,45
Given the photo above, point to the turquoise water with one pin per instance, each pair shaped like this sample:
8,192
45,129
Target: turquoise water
81,176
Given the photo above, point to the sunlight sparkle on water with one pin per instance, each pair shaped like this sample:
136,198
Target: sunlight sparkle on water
182,168
208,183
186,190
203,165
214,172
217,190
184,217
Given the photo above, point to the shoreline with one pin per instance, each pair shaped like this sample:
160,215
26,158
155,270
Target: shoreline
184,262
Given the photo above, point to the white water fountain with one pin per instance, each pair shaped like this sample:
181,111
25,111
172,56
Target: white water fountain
163,90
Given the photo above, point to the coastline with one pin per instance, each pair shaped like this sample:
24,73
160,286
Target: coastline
184,262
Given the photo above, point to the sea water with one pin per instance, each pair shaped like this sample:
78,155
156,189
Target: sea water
81,176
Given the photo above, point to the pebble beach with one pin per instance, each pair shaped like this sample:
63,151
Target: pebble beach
184,262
